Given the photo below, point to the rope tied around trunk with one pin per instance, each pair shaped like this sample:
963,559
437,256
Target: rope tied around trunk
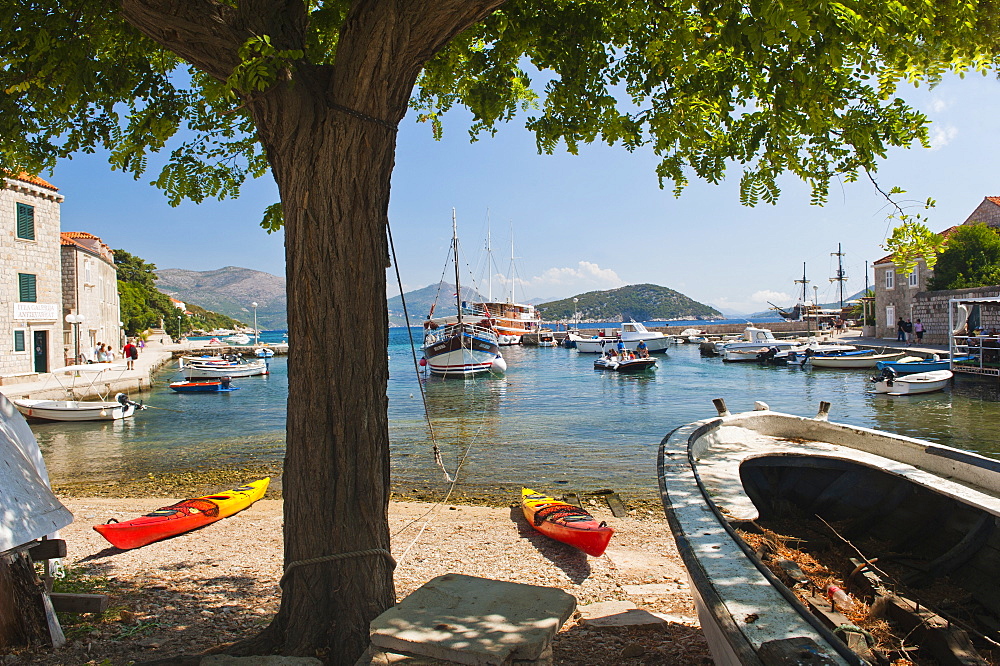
339,556
361,116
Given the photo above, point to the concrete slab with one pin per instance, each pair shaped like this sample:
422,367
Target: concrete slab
650,590
626,614
475,621
646,566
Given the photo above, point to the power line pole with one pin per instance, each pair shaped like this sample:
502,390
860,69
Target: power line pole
841,278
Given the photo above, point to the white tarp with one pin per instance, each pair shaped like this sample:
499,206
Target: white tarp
28,509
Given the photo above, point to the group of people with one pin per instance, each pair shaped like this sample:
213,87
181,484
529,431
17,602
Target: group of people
130,352
908,331
622,352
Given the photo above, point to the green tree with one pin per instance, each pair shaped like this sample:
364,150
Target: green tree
314,92
142,306
972,259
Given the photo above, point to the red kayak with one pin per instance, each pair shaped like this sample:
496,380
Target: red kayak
565,522
181,517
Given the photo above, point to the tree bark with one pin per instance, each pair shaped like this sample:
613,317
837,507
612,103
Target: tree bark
330,138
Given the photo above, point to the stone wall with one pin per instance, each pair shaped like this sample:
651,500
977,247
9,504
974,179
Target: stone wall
39,257
931,307
90,288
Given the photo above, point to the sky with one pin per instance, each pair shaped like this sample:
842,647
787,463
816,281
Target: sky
593,221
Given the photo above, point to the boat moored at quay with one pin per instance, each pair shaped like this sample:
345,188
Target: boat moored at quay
631,334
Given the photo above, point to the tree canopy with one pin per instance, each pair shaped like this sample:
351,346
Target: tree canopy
972,259
314,92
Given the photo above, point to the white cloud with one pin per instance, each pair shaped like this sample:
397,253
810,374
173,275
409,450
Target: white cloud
942,135
585,276
939,104
766,295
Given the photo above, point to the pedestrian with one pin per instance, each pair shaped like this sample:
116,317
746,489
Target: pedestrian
908,329
918,330
101,355
130,352
901,330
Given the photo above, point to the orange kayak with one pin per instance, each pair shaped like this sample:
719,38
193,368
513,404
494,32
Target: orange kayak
181,517
565,522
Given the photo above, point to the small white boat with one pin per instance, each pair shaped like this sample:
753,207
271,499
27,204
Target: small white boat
238,339
265,352
758,339
78,410
728,479
628,365
631,333
889,382
222,366
546,339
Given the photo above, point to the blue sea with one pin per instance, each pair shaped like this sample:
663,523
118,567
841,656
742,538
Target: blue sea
551,422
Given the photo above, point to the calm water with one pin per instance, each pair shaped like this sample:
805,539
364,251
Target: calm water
551,420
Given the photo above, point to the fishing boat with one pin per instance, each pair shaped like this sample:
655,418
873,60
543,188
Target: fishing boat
631,334
755,499
222,366
29,508
625,365
78,410
566,523
182,517
890,383
461,348
861,358
209,385
914,364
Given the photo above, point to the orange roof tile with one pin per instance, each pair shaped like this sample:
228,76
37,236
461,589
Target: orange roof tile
995,200
34,180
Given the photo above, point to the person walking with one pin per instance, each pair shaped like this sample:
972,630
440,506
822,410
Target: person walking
908,330
918,331
901,330
130,352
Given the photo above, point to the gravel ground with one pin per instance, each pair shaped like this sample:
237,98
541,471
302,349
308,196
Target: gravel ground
194,592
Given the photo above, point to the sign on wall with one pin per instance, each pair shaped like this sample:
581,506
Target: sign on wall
36,311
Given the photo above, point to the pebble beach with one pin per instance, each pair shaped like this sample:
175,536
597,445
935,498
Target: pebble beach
195,592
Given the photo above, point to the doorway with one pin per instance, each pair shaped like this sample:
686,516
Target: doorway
41,340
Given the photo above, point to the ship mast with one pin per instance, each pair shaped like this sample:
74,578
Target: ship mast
803,282
454,244
841,278
489,259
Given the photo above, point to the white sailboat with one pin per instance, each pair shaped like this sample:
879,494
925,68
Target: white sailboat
461,348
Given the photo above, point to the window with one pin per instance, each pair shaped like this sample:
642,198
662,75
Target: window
890,316
890,278
88,279
19,341
914,278
26,288
25,221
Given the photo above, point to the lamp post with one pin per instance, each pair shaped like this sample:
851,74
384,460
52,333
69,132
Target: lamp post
178,328
256,334
576,314
75,320
816,306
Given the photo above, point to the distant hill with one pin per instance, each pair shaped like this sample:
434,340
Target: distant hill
419,301
642,302
230,290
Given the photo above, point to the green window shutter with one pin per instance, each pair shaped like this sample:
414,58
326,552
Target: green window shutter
26,287
25,221
19,341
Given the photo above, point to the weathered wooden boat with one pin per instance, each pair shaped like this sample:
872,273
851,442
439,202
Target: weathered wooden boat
182,517
912,517
564,522
78,410
890,383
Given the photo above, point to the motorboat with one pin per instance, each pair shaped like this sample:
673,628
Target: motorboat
861,358
546,339
755,338
890,383
460,347
208,385
78,410
264,352
798,355
237,339
628,365
796,532
631,334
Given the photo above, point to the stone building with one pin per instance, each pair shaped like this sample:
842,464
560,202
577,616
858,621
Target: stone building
90,289
906,296
30,277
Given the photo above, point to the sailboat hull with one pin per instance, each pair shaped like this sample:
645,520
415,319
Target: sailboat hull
463,353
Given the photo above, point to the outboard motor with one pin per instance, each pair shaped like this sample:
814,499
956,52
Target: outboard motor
888,375
767,355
